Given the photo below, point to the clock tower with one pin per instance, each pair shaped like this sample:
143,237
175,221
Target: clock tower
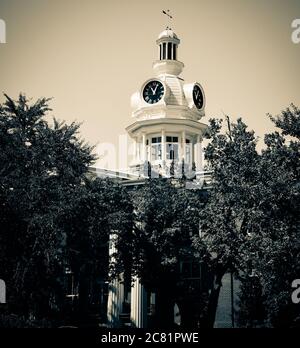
166,113
167,132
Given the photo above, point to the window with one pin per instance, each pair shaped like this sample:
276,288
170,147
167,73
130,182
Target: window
164,51
172,148
156,149
172,139
174,52
156,140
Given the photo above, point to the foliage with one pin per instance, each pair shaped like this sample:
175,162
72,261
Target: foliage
166,216
251,221
52,216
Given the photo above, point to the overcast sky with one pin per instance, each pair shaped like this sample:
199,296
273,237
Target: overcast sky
91,55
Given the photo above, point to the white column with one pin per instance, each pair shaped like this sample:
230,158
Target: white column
179,147
138,149
183,145
195,153
115,302
138,310
135,150
115,291
198,154
163,145
144,158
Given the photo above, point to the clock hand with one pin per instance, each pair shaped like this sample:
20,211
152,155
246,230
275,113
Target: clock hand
196,94
153,91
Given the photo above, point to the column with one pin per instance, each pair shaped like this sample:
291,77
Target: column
144,147
183,145
198,158
138,310
163,146
195,152
138,149
115,291
135,150
179,147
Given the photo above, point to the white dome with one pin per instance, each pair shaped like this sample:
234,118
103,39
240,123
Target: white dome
168,33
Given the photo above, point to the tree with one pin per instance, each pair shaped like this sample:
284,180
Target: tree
52,215
274,246
166,215
39,167
278,241
250,224
225,218
97,208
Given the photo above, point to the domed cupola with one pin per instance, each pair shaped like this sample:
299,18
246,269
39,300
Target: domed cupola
168,43
167,62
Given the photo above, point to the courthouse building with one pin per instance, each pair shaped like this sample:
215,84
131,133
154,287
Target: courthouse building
167,132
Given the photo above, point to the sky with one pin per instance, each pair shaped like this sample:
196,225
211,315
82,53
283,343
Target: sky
91,55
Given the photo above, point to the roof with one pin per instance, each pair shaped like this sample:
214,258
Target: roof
168,32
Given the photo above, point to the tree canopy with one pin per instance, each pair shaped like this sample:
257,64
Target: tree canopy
251,221
53,217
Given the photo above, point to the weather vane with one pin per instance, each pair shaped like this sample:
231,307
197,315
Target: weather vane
167,13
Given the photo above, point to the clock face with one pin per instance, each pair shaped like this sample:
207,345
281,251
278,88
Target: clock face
198,97
153,92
